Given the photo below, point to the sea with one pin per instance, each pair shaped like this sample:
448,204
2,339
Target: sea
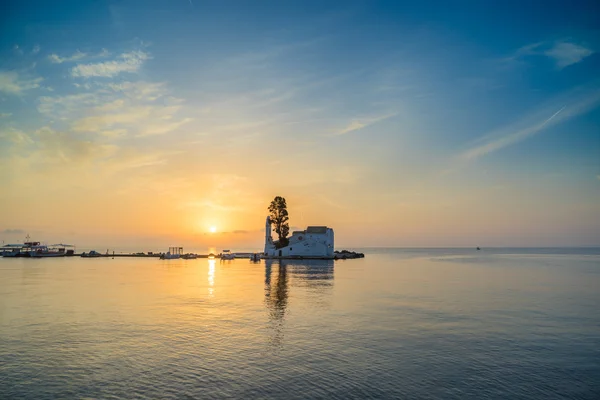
397,324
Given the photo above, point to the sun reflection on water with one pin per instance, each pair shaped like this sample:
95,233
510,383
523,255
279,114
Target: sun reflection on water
211,276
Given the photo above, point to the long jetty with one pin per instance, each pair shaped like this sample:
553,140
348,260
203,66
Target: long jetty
338,255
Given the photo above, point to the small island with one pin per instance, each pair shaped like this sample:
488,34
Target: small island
315,242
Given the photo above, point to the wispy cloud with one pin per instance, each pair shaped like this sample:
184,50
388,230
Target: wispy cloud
361,123
36,49
77,56
563,52
112,110
159,128
130,115
12,83
65,106
56,59
127,62
15,136
557,111
55,147
5,115
140,90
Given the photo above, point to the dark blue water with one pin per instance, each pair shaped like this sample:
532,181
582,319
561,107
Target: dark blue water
412,323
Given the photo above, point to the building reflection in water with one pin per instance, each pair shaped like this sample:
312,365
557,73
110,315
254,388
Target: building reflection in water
312,274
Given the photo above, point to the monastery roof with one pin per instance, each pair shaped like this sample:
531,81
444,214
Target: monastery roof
316,229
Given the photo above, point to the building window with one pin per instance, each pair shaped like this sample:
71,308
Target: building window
290,249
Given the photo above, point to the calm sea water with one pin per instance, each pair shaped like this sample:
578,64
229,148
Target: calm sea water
400,323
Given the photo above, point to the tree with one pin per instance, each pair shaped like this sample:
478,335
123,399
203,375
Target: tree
279,217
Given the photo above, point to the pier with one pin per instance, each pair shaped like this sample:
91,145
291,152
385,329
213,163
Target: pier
338,255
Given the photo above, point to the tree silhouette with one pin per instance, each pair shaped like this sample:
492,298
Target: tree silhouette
279,217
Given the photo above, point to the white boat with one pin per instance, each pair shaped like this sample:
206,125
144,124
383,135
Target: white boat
56,250
11,250
21,250
172,254
49,251
227,255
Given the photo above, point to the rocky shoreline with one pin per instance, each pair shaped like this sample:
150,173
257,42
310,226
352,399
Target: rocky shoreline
346,254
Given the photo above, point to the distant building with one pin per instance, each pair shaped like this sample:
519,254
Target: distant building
314,242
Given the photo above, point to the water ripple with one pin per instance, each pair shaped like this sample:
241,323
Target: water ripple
387,326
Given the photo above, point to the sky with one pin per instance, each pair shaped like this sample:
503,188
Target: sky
405,124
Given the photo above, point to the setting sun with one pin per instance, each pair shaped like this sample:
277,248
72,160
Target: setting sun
213,229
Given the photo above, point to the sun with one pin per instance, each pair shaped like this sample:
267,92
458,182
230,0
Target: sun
213,229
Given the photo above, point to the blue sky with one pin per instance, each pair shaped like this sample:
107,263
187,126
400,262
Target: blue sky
436,123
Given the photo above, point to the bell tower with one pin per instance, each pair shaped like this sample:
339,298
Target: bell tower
268,238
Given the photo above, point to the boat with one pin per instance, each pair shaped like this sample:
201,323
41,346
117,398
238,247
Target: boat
255,257
55,250
227,255
21,250
11,250
91,254
189,256
172,254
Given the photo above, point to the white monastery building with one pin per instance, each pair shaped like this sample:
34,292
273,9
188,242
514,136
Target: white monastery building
314,242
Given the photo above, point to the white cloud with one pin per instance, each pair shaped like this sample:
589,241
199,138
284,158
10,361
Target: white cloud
5,115
363,122
131,115
140,90
77,56
112,110
126,62
353,126
11,82
65,106
563,52
56,59
146,120
559,110
158,128
16,136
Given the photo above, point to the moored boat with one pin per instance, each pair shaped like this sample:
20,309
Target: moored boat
11,250
21,250
91,254
51,251
227,255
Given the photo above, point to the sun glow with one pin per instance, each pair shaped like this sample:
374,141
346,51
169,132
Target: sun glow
213,229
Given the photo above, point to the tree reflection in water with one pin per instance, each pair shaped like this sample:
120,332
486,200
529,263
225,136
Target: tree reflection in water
312,274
